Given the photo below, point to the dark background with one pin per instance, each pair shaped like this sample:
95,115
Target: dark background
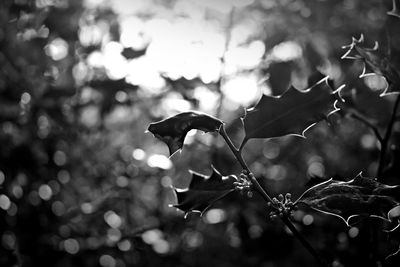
81,184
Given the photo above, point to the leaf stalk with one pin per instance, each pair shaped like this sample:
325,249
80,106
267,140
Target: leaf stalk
238,155
368,124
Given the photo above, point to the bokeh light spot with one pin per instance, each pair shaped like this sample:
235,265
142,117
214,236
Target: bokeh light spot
375,82
8,240
71,246
139,154
87,208
59,158
17,191
159,161
64,231
112,219
122,181
308,219
166,181
107,261
121,96
124,245
4,202
161,246
368,141
58,208
316,169
12,211
255,231
215,216
63,176
286,51
353,232
276,172
151,236
45,192
57,49
113,235
25,98
2,177
242,89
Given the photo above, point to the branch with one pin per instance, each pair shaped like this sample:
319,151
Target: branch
386,139
238,155
258,188
303,241
368,124
237,152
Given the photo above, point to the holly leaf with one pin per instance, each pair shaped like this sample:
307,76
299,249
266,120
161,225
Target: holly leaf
394,233
376,62
203,191
358,197
395,10
173,130
292,113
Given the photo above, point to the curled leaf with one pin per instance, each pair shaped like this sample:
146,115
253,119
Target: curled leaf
203,191
173,130
375,61
291,113
358,197
394,215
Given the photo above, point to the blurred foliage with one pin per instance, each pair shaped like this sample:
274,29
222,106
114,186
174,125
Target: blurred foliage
82,185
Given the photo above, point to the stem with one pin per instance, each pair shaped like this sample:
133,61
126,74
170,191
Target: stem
386,139
369,124
239,157
285,219
257,187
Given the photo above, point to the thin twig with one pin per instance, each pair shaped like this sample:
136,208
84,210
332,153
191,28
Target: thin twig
258,188
386,139
368,124
303,241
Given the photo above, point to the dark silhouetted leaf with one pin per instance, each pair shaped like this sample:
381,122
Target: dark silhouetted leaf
173,130
375,61
361,101
130,53
291,113
203,191
280,76
359,197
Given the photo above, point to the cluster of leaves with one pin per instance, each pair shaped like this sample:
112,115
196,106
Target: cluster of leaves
292,113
